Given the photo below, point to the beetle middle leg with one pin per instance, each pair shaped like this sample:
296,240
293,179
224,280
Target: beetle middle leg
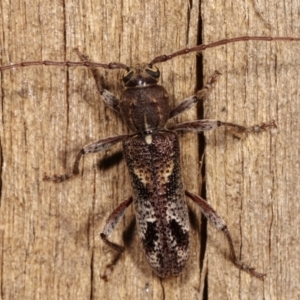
205,124
93,147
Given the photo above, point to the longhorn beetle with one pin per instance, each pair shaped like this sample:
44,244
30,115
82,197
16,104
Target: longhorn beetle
152,155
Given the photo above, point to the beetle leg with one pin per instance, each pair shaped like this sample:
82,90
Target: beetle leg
110,99
93,147
110,225
191,101
112,221
220,224
205,124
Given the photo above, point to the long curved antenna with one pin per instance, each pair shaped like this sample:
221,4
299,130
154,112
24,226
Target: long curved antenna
198,48
89,64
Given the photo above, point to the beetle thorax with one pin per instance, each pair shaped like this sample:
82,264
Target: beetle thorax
144,104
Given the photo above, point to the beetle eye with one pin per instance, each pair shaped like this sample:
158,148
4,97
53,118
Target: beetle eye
127,76
153,71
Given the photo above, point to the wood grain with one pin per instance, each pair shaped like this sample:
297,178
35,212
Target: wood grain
51,248
253,182
50,244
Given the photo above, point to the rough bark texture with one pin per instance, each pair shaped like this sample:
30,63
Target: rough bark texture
50,244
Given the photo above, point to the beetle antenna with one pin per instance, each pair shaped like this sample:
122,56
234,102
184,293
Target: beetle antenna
88,64
202,47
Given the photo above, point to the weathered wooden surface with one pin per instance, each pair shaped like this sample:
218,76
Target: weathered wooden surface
254,183
50,244
50,241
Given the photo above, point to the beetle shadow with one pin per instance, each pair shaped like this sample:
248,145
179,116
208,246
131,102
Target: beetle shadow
110,161
200,227
128,233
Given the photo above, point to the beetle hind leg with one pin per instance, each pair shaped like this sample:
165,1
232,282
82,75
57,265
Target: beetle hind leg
220,224
110,225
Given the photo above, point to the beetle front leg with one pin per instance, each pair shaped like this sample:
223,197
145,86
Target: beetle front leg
110,225
191,101
220,224
110,99
93,147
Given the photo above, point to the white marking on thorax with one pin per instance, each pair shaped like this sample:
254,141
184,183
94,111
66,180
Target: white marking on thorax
151,220
148,139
